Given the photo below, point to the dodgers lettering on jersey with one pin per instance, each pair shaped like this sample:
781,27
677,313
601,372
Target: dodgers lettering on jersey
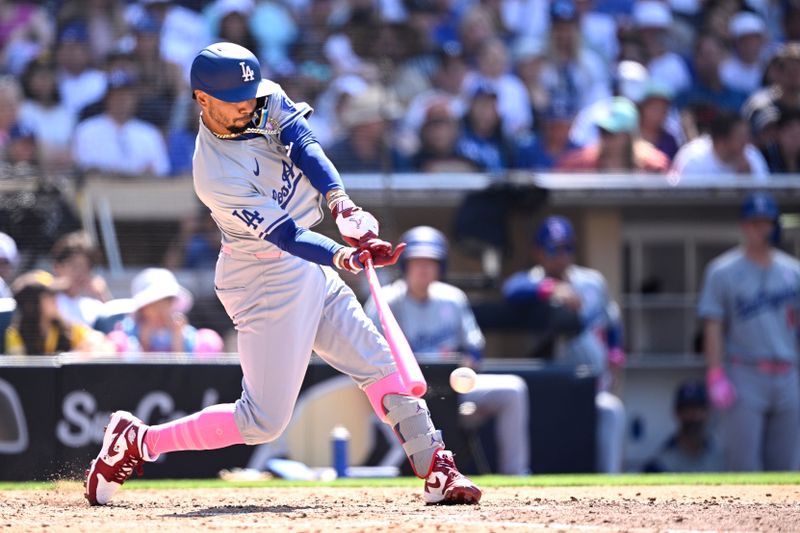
597,313
442,324
757,306
251,185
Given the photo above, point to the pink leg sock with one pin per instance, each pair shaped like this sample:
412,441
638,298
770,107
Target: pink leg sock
213,427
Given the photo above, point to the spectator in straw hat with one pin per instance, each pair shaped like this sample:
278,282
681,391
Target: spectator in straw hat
158,321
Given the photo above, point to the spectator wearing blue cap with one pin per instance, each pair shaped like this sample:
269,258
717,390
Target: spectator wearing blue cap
570,69
105,23
690,448
556,279
183,31
160,82
725,150
482,140
749,303
540,152
22,152
78,82
117,142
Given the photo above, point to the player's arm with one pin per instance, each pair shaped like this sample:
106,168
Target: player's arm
358,227
613,331
711,309
314,247
712,343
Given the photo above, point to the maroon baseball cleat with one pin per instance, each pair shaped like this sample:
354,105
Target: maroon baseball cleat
123,452
446,485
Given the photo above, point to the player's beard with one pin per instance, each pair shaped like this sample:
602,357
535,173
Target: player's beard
236,130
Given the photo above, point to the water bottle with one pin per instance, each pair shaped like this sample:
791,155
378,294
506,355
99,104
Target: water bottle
340,438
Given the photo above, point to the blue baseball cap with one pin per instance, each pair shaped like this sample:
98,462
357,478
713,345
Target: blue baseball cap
691,394
228,72
563,10
759,205
76,32
555,233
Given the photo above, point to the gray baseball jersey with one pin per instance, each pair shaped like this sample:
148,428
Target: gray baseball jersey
443,324
757,306
251,185
282,306
597,312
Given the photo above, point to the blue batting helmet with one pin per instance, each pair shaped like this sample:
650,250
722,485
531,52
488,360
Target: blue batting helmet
424,242
555,232
228,72
762,205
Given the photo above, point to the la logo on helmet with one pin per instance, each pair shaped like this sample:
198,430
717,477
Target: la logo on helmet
247,72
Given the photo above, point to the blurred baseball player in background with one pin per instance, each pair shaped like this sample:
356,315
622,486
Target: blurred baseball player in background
437,320
749,303
259,169
598,346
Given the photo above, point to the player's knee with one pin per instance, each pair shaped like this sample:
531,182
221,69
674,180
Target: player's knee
513,390
258,425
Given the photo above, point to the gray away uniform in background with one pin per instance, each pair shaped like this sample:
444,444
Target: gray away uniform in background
758,308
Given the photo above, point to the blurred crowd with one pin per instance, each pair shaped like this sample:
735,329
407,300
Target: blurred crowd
69,307
680,86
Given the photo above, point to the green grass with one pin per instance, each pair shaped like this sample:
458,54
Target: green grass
562,480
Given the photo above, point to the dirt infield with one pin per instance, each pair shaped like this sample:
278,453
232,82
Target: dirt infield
627,508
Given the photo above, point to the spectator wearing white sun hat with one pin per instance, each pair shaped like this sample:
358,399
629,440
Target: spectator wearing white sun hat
158,323
744,69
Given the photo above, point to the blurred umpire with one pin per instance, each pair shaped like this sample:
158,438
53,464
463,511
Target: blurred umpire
749,304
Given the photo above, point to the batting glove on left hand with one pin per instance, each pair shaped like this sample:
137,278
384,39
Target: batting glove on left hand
381,252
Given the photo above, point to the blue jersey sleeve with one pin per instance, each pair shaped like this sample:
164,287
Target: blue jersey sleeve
307,154
520,288
304,243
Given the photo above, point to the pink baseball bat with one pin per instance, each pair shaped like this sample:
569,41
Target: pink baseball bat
407,364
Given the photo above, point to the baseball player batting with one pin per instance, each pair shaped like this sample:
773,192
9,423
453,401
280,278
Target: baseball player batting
259,169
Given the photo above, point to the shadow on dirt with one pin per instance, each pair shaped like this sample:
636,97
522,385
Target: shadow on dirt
239,509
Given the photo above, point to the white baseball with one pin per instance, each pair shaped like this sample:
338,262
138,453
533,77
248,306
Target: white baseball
462,379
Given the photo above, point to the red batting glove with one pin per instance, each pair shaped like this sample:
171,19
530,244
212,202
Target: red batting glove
381,252
720,389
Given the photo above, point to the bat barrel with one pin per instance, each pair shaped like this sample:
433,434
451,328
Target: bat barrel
404,358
